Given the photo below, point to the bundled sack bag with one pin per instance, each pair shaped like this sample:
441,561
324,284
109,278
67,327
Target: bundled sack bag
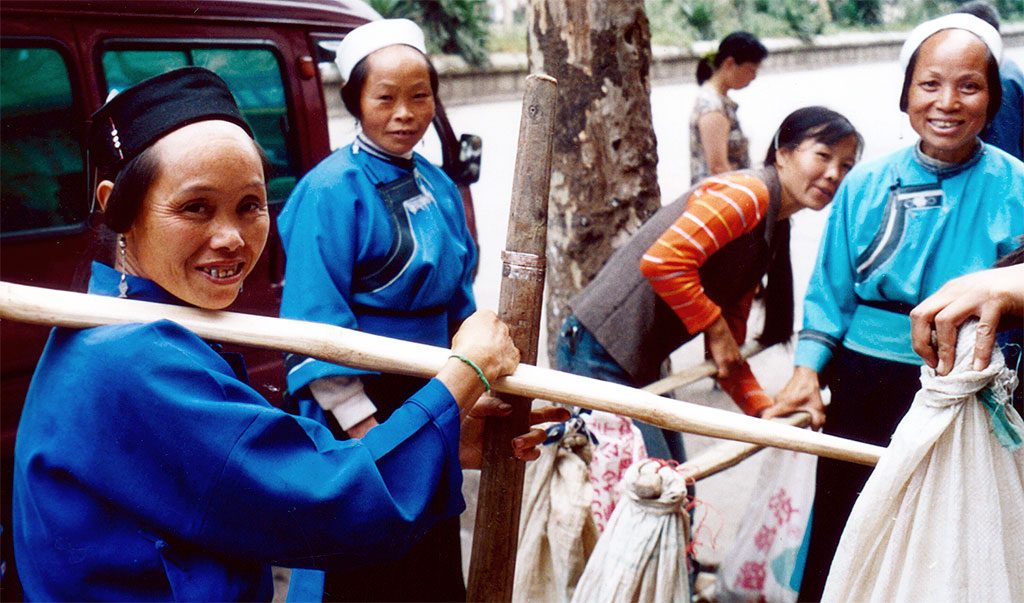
766,560
942,516
556,528
641,555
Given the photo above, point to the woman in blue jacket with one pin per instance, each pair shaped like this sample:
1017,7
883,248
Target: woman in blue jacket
376,240
146,468
901,226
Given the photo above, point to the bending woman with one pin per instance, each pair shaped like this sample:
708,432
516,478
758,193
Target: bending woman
902,226
146,468
376,240
717,144
694,266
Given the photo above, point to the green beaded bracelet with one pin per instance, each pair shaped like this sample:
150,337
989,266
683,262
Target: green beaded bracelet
479,371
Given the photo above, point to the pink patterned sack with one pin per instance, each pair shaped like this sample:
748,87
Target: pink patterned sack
619,445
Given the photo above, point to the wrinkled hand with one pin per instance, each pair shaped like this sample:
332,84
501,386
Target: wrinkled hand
485,341
989,295
524,447
802,392
723,348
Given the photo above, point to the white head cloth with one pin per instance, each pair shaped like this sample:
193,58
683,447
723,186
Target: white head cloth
976,26
368,38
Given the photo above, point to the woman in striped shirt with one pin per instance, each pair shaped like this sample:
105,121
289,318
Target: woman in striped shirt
695,265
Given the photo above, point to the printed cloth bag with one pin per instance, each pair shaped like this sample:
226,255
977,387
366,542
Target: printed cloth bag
641,556
619,445
942,516
556,527
766,560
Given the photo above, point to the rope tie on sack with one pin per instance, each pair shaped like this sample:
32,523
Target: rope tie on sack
560,431
992,386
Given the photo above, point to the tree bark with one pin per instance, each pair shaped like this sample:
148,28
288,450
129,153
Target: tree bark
604,166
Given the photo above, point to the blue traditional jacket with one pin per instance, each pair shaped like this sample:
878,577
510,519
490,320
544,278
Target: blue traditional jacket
900,228
379,244
146,468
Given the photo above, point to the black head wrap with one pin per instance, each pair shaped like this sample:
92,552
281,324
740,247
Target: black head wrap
140,115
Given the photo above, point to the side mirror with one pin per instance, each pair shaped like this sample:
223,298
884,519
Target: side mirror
467,170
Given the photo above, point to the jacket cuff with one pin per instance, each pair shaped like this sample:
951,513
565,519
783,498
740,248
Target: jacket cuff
812,354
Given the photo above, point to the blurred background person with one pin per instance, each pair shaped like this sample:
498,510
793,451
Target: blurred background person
717,144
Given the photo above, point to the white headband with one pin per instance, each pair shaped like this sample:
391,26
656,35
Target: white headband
976,26
371,37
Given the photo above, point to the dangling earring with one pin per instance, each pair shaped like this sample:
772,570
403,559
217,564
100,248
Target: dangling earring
122,250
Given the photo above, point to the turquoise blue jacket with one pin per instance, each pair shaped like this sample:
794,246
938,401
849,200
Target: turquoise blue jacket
336,230
146,468
899,230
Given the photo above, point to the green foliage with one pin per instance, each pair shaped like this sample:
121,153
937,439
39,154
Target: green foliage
857,12
457,27
803,19
700,15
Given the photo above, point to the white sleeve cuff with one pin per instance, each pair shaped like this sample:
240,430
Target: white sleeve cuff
344,398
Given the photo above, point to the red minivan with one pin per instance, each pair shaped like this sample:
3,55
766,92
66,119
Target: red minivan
62,58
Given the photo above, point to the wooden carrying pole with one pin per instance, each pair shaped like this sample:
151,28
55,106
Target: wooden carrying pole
697,372
372,352
496,535
728,454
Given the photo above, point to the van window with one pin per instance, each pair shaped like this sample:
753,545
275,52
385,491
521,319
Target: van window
43,183
252,74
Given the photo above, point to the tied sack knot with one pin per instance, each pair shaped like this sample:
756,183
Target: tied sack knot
963,381
656,486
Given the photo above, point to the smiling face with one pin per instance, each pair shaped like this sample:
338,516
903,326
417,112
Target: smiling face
204,221
397,103
948,94
811,173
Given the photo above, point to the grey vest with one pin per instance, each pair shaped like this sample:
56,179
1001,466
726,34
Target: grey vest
636,327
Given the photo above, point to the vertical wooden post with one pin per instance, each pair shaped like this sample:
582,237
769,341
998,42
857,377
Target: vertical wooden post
492,566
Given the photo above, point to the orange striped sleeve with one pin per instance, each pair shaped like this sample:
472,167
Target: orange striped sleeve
743,387
721,210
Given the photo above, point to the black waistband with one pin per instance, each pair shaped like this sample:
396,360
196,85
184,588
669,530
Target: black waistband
889,306
417,313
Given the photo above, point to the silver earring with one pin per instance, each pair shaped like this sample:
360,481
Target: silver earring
122,250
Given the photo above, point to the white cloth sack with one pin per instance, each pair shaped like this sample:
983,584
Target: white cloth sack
642,554
942,516
619,445
761,562
556,528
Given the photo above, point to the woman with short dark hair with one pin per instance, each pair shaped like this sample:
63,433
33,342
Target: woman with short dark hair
901,226
376,240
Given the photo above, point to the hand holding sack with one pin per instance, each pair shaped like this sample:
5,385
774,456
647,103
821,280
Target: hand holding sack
942,516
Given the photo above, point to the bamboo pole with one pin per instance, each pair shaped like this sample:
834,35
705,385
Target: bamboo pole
496,535
698,372
372,352
728,454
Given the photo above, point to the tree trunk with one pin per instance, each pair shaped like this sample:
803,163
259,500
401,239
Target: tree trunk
604,166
